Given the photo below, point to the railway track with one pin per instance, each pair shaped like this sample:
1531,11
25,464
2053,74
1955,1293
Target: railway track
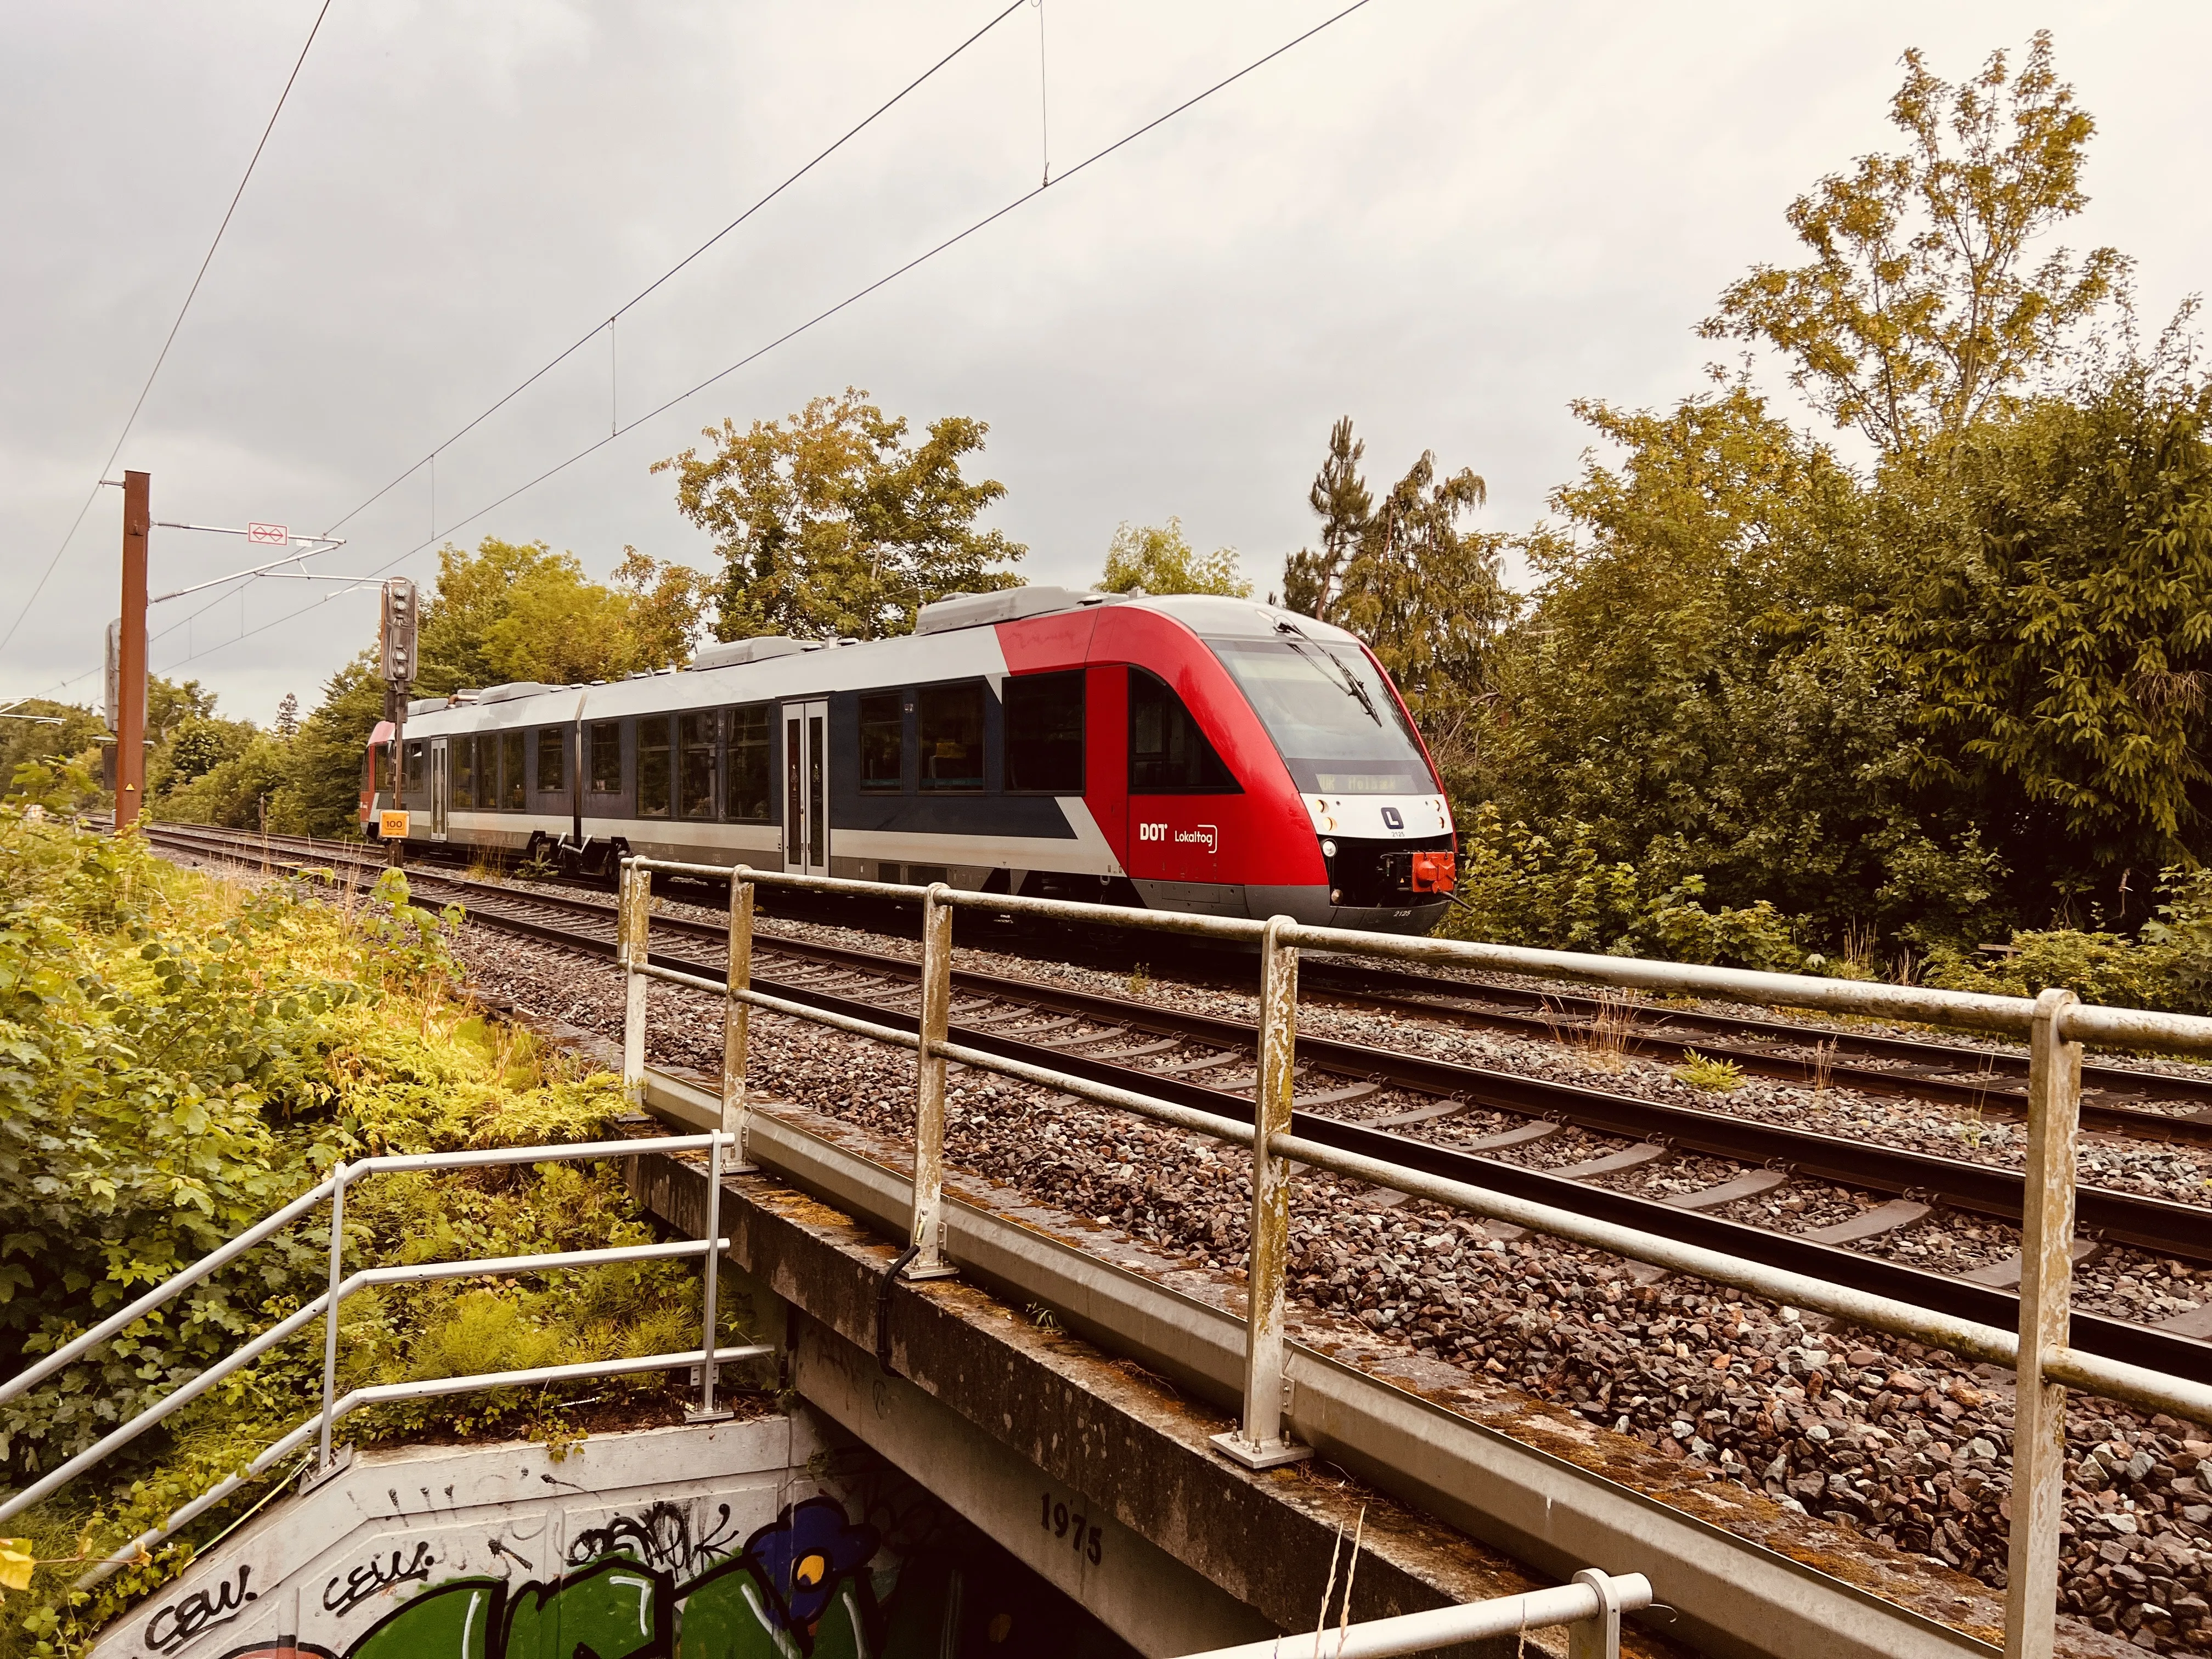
1410,1109
1986,1080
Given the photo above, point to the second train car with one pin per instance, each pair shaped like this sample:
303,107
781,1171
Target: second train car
1191,753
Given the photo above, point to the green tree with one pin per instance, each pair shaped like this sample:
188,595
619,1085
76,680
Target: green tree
40,731
1425,594
1920,308
1160,559
830,525
321,794
1702,688
1341,498
2055,616
521,612
667,607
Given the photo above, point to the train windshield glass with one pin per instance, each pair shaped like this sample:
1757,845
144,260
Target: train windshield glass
1330,713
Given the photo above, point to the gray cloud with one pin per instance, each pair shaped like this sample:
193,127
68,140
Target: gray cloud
1443,220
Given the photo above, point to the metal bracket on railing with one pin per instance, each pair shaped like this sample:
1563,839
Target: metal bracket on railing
329,1468
1599,1635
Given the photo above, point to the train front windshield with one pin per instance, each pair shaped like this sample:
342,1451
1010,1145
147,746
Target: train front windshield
1333,718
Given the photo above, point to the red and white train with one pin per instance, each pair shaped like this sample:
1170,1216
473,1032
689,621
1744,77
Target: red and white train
1191,753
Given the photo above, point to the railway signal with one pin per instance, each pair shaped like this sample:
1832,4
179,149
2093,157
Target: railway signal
395,634
396,652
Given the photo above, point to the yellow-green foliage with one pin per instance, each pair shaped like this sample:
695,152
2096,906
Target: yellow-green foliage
1703,1071
180,1055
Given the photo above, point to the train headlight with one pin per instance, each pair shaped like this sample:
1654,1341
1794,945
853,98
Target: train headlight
1329,849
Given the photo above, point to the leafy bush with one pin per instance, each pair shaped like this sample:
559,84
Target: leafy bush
1519,887
2168,966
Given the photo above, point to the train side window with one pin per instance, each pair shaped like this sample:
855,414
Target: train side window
746,781
949,725
465,771
882,743
552,759
418,753
605,776
698,735
1044,733
512,796
1168,754
654,766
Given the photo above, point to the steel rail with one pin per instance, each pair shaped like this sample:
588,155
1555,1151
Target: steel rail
1997,1096
1432,996
2149,1381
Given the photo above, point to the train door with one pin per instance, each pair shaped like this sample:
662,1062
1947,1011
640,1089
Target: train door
441,787
806,788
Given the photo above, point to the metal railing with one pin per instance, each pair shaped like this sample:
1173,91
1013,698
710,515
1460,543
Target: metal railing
2055,1025
325,1306
1589,1606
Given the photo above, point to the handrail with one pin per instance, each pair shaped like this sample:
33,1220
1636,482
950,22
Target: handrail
1920,1004
326,1305
1593,1603
385,1393
2055,1025
185,1278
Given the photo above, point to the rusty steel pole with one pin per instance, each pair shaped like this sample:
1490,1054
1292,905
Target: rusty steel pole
737,1018
1261,1443
131,654
2046,1284
632,919
928,1235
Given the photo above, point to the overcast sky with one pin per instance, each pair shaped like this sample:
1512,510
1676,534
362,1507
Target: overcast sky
1445,221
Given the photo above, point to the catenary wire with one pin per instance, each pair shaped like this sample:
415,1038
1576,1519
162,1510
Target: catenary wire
607,327
162,357
858,294
523,385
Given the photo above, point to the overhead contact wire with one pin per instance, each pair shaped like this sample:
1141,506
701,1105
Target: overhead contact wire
820,317
607,326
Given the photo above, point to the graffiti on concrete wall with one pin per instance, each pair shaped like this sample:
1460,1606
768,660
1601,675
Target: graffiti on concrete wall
796,1588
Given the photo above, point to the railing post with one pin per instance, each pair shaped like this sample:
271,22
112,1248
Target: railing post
2046,1284
338,1178
928,1235
710,1285
737,1020
1261,1444
633,918
1599,1635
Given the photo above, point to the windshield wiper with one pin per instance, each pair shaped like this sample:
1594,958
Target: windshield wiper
1352,688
